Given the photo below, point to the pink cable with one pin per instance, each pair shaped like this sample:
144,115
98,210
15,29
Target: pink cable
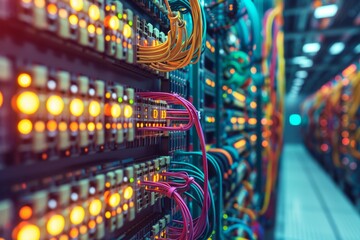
199,224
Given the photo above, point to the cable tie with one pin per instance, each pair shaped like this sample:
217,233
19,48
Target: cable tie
170,192
189,181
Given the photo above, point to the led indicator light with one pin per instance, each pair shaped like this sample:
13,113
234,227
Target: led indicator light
55,105
28,102
77,107
77,215
24,80
28,232
55,225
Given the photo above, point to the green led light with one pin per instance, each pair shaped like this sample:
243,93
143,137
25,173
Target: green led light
130,23
131,180
157,169
224,95
120,99
225,216
225,228
131,101
120,15
295,119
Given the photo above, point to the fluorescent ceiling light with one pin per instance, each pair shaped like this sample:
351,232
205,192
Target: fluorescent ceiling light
301,74
326,11
295,119
299,83
299,59
311,47
302,61
357,48
307,63
337,48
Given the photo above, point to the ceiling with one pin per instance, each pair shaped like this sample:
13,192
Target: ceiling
302,27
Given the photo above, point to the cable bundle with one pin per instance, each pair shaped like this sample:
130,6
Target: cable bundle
275,86
191,229
179,49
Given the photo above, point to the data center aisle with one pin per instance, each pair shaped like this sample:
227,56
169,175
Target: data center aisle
310,205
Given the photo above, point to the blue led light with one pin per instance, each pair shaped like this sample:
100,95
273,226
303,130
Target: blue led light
295,119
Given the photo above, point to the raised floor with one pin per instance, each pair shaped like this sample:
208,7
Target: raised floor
310,204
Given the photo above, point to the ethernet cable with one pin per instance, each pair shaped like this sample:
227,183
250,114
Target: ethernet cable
200,225
219,204
179,49
239,224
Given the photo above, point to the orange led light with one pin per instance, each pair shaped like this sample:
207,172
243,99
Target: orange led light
63,237
39,3
74,126
28,102
253,104
253,89
77,5
74,233
51,125
115,111
99,126
25,212
82,23
73,20
77,107
1,99
62,126
82,126
128,111
63,13
108,214
24,80
241,120
113,23
253,70
99,219
127,31
92,224
91,29
83,229
125,207
91,126
28,232
25,126
52,9
253,138
99,31
94,108
94,12
239,96
77,215
114,199
128,192
240,144
39,126
95,207
55,105
252,121
55,224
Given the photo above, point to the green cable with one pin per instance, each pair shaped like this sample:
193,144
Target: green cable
219,204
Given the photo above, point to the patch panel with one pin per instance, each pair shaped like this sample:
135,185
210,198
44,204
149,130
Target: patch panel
91,204
62,114
98,28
